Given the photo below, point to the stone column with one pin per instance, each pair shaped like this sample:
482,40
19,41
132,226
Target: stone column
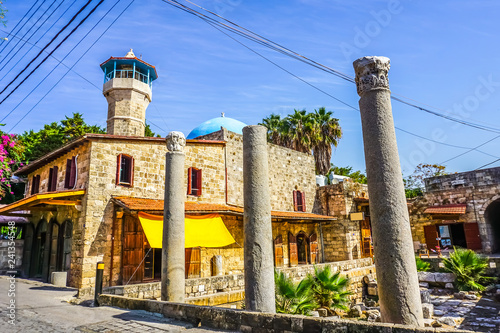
394,258
173,262
259,266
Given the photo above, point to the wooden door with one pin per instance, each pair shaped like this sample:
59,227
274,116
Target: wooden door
278,251
193,262
366,238
54,247
27,248
472,236
313,244
292,250
431,235
133,251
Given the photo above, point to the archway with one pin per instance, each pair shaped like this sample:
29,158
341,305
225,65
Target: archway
40,246
492,217
302,246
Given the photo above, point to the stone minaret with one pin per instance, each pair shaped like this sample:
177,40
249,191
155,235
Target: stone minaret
128,89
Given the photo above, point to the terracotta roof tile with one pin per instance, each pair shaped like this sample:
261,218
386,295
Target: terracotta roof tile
143,204
458,209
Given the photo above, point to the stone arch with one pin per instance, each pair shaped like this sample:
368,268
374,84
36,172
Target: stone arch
492,218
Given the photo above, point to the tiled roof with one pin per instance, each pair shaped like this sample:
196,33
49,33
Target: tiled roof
143,204
458,209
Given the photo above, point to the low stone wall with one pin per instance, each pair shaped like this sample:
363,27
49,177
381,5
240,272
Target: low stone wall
216,290
4,255
246,321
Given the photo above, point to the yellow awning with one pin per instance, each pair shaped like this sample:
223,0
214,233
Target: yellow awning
204,231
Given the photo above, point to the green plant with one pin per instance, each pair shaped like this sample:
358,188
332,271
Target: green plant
468,267
330,289
422,266
293,298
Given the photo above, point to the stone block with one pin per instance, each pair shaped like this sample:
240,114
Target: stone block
428,310
423,285
449,286
282,322
59,279
425,296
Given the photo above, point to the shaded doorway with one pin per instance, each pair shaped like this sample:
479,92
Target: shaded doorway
458,235
302,245
492,217
39,256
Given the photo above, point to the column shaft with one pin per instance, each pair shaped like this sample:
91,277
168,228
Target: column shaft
259,266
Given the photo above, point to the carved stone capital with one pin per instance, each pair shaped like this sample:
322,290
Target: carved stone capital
176,141
372,73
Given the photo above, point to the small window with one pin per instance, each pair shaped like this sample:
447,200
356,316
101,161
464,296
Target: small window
194,181
299,201
125,170
52,186
35,184
70,177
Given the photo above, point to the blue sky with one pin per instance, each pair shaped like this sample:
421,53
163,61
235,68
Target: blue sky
444,55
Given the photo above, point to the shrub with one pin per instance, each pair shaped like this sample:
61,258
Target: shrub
422,266
330,289
293,298
469,268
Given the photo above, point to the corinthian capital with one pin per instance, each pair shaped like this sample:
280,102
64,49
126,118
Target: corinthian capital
176,141
371,73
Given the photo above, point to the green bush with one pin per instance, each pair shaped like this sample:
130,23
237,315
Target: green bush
293,298
329,289
469,268
422,266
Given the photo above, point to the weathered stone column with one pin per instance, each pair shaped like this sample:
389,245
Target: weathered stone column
259,266
393,245
173,262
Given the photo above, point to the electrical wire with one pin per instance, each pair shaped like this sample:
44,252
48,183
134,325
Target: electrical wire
34,44
475,148
487,164
27,32
47,45
18,23
88,49
33,34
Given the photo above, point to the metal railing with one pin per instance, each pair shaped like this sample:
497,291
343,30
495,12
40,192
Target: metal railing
128,74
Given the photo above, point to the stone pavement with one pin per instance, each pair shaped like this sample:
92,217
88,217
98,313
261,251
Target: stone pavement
42,307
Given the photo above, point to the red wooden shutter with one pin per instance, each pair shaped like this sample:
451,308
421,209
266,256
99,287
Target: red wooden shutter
33,184
37,190
118,167
313,243
303,197
278,251
131,172
72,173
190,174
51,176
472,236
133,250
67,176
193,262
295,203
198,181
53,184
292,249
430,232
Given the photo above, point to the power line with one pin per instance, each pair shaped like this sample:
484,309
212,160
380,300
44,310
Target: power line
27,32
34,44
22,38
58,45
246,33
53,86
18,23
46,46
487,164
482,144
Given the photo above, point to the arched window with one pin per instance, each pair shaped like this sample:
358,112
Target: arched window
125,170
299,201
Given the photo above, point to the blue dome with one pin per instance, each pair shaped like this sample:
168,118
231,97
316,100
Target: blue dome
214,125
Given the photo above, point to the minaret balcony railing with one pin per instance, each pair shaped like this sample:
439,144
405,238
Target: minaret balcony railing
128,74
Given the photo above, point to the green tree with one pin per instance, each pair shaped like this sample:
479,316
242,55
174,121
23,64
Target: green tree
330,289
149,133
415,185
55,135
326,132
293,298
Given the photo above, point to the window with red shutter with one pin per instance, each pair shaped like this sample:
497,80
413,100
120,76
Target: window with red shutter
125,170
299,201
70,175
35,184
52,185
194,181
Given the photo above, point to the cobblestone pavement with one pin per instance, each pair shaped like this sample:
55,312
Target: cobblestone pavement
42,307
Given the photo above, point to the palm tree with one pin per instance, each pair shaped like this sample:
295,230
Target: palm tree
469,269
326,133
274,125
293,298
301,130
330,289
